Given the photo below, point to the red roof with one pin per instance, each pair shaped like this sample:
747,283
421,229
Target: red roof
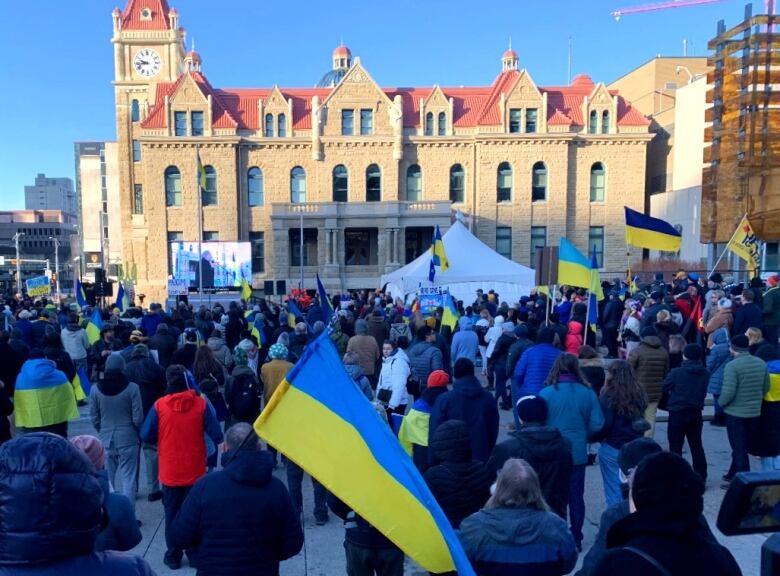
509,54
131,18
341,51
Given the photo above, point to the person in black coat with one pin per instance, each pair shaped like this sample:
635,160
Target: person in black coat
610,323
749,315
240,520
6,409
666,528
543,447
460,485
11,363
164,343
469,402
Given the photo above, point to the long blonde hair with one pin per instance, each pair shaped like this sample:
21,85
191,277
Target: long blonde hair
517,487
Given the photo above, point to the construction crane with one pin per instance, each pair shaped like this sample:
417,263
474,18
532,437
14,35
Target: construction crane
620,12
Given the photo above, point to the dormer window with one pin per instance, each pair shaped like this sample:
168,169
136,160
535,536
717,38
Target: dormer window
146,14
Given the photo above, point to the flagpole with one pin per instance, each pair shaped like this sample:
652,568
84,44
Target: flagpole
200,224
726,248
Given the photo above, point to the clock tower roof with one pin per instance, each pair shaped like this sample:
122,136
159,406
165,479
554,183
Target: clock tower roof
147,15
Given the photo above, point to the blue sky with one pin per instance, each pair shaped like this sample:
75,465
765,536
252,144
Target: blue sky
56,60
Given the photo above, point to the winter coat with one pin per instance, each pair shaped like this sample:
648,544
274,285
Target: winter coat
424,358
149,377
515,353
368,352
681,547
492,336
297,343
719,356
599,547
377,329
573,409
395,371
26,331
6,409
618,429
564,311
747,316
593,370
150,322
685,387
464,345
650,363
241,519
75,342
165,344
399,329
650,315
664,330
271,373
221,351
41,328
549,454
533,368
122,531
745,381
763,350
770,307
361,381
503,541
469,402
10,366
573,338
613,312
766,440
116,411
720,319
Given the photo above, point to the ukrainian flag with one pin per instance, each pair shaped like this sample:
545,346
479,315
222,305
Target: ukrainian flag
321,421
94,326
81,384
122,301
773,395
43,396
438,253
573,268
293,313
653,233
450,314
246,290
257,331
324,302
81,296
596,292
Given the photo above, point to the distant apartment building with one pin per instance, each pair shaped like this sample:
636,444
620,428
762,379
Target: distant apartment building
50,194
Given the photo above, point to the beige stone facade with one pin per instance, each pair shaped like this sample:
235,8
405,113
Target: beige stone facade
512,121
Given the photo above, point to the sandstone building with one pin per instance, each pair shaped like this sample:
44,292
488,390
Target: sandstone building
370,170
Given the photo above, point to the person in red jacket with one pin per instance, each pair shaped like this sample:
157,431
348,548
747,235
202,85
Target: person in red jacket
180,423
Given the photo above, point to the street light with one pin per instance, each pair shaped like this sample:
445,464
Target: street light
18,263
78,259
56,266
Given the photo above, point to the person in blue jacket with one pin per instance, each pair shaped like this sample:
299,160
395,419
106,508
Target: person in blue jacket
534,366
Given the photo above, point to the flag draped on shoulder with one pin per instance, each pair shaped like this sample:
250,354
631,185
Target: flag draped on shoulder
573,266
94,326
257,330
745,245
321,421
653,233
43,396
324,302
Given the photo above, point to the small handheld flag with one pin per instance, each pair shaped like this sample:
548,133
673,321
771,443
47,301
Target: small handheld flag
653,233
324,302
745,245
431,271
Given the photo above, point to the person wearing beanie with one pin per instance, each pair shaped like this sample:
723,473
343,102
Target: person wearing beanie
179,423
116,412
665,533
469,402
650,314
543,447
367,349
650,363
465,341
271,375
745,382
424,358
521,343
684,391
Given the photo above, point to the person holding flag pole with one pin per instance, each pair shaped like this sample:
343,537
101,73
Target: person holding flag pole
744,244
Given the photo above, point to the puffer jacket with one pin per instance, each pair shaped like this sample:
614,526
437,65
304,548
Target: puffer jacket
650,363
395,372
501,541
75,342
745,381
720,319
356,373
221,351
574,337
532,369
377,328
424,358
719,356
460,485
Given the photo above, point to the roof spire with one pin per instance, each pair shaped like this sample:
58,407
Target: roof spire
510,42
510,60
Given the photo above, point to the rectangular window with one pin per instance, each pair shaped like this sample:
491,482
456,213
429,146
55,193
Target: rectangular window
530,120
210,236
138,199
175,236
347,122
361,246
538,240
309,246
258,252
596,243
515,117
136,151
417,241
180,123
771,259
366,122
197,123
504,241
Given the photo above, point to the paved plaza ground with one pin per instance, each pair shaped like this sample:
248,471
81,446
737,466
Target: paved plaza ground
323,552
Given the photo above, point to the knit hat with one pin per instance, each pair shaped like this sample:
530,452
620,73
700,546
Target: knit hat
438,379
532,409
361,327
716,277
507,327
724,303
176,376
657,295
115,363
772,281
521,331
740,343
632,453
278,352
462,367
140,351
93,448
666,482
240,357
648,331
692,352
24,315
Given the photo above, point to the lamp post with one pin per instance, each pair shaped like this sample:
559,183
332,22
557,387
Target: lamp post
78,259
18,263
56,266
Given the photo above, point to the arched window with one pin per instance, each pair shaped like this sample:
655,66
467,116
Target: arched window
593,126
539,183
373,183
281,123
504,182
254,186
135,112
429,124
413,183
210,193
340,183
598,182
297,185
457,183
269,126
172,186
442,124
605,122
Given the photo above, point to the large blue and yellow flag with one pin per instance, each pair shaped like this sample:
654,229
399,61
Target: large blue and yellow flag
122,301
81,384
94,326
573,267
450,314
246,290
81,296
321,421
324,302
438,254
293,313
648,232
43,396
596,292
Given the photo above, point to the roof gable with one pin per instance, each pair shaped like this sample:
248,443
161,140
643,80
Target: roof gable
275,100
132,18
436,98
524,89
355,85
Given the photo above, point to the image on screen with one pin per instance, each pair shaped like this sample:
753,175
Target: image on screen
764,508
224,263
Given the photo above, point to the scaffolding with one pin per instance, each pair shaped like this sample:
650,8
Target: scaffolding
742,140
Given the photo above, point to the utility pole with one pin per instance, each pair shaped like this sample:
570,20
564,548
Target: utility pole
56,266
18,263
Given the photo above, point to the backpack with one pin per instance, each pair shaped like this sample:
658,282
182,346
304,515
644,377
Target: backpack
244,398
398,330
481,333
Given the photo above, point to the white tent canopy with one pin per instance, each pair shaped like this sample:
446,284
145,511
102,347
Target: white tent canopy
473,265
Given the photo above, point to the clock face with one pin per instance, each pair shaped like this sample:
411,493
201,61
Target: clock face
147,62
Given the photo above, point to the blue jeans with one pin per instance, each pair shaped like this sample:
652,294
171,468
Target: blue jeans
770,463
577,501
610,473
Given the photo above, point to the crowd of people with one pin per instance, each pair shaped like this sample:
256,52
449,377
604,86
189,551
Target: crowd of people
181,388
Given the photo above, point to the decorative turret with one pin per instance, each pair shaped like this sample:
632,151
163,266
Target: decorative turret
510,60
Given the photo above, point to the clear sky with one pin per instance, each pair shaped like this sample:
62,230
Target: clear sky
56,59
